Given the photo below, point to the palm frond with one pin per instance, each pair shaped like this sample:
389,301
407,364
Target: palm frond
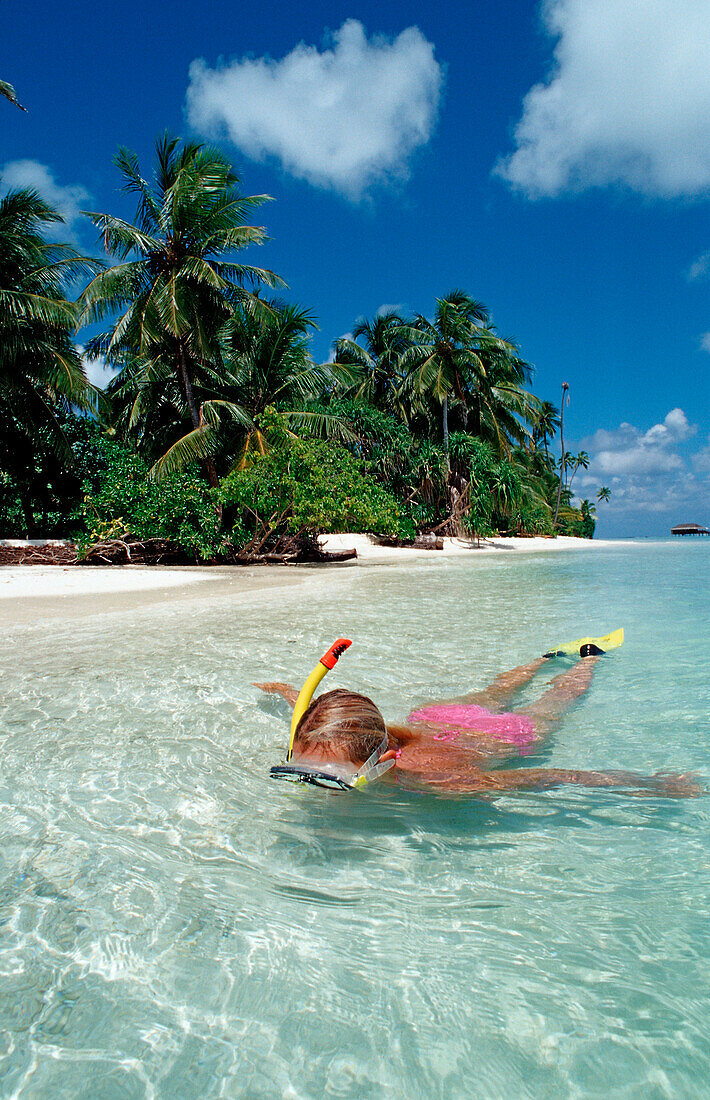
148,206
323,424
246,273
8,92
120,238
197,444
37,308
211,411
110,290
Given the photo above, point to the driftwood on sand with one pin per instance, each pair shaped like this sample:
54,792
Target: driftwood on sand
297,549
50,553
289,550
421,542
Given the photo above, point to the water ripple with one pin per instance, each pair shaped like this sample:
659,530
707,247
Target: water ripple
173,924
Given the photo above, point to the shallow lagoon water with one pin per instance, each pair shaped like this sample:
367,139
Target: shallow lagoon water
172,924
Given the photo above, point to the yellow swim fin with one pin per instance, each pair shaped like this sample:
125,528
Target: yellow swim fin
604,643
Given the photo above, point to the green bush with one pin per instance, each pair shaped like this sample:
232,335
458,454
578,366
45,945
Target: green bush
306,486
41,477
535,518
383,445
586,524
123,501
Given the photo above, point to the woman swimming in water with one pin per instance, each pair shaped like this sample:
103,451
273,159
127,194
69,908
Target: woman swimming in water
459,744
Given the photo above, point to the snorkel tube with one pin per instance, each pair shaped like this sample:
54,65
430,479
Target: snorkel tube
327,661
338,778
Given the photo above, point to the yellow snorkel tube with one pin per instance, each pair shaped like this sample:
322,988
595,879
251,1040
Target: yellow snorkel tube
333,778
327,661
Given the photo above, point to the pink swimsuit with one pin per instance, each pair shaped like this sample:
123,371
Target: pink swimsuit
454,718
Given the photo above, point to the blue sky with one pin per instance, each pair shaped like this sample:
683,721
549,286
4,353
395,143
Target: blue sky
552,160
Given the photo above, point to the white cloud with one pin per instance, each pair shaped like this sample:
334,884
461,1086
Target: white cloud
629,451
699,268
98,371
627,101
342,118
636,460
66,199
701,460
675,428
705,341
647,471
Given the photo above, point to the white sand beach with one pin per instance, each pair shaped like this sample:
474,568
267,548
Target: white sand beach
71,580
33,591
369,552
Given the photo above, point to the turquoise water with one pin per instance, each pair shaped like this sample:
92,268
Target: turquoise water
173,925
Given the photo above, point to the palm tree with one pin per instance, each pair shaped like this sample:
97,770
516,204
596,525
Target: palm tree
177,281
373,352
582,461
37,356
500,405
446,354
8,92
604,493
266,361
565,395
546,423
41,369
564,465
587,512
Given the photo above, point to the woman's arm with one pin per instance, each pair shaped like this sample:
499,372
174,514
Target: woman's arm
668,785
289,693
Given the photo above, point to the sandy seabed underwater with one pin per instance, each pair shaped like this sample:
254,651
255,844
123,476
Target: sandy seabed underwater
173,924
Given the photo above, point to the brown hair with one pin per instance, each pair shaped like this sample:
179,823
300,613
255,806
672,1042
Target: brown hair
341,723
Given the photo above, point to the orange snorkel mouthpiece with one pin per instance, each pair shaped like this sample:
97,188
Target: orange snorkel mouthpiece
330,658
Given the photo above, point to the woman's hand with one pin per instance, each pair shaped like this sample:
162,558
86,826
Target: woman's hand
274,687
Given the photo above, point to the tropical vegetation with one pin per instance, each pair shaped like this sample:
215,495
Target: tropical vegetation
42,375
219,432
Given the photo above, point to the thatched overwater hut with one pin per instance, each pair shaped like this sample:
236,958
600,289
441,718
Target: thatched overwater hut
689,529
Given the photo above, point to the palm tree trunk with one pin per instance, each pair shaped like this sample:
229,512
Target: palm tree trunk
445,428
476,426
565,387
187,385
207,463
27,512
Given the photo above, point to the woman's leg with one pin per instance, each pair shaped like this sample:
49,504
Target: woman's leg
566,688
497,694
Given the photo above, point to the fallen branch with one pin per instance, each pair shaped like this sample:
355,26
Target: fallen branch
133,551
299,548
48,554
294,549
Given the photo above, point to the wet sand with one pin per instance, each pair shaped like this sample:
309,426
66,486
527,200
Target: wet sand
33,593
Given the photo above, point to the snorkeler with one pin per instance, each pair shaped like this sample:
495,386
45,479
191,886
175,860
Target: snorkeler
340,740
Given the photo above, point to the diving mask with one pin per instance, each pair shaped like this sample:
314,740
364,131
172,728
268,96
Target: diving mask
339,776
336,777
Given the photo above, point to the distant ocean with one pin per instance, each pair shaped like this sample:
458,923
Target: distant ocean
173,924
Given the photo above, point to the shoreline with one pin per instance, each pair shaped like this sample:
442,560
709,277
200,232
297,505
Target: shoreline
369,552
32,593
